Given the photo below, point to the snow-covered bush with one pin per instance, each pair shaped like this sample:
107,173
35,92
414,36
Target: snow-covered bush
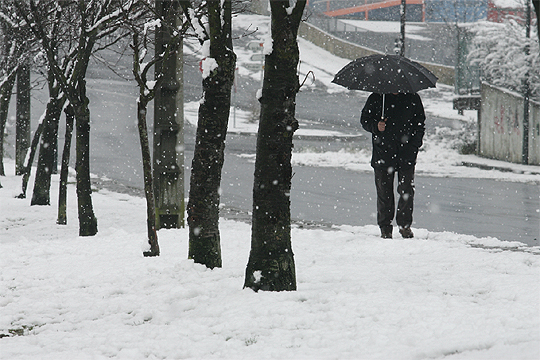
499,49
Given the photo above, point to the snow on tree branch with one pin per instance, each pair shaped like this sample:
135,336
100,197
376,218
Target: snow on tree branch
500,50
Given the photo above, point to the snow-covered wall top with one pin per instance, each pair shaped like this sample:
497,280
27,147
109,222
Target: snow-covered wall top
508,4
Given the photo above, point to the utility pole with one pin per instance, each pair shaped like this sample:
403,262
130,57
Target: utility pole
526,90
403,12
22,127
168,162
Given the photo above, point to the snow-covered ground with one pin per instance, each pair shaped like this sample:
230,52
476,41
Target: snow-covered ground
439,295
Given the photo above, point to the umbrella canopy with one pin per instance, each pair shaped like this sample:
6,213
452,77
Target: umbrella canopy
385,74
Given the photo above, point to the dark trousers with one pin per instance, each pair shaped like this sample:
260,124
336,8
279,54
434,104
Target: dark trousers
384,181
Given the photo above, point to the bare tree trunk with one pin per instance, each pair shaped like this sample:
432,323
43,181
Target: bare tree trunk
168,161
47,151
537,11
87,219
6,89
168,121
208,158
148,181
64,171
28,167
271,262
22,127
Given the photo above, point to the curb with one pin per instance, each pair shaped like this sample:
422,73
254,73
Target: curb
499,168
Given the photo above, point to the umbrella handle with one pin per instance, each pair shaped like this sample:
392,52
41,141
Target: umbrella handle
382,110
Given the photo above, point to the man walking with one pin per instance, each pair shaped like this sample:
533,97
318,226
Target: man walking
397,134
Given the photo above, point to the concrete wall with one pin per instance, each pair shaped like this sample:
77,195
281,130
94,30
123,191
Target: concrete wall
348,50
501,126
332,44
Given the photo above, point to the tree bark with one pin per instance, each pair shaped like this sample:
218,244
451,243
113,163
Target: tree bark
148,182
6,89
207,164
64,171
47,152
271,262
168,161
28,167
87,219
537,12
22,127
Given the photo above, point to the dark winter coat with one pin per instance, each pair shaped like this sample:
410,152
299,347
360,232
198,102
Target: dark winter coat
397,146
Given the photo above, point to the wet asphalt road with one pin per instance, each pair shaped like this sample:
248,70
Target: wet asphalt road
326,196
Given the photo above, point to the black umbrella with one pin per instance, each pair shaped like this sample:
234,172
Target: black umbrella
385,74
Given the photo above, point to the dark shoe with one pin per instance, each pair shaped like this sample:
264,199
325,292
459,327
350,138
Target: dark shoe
406,232
386,232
